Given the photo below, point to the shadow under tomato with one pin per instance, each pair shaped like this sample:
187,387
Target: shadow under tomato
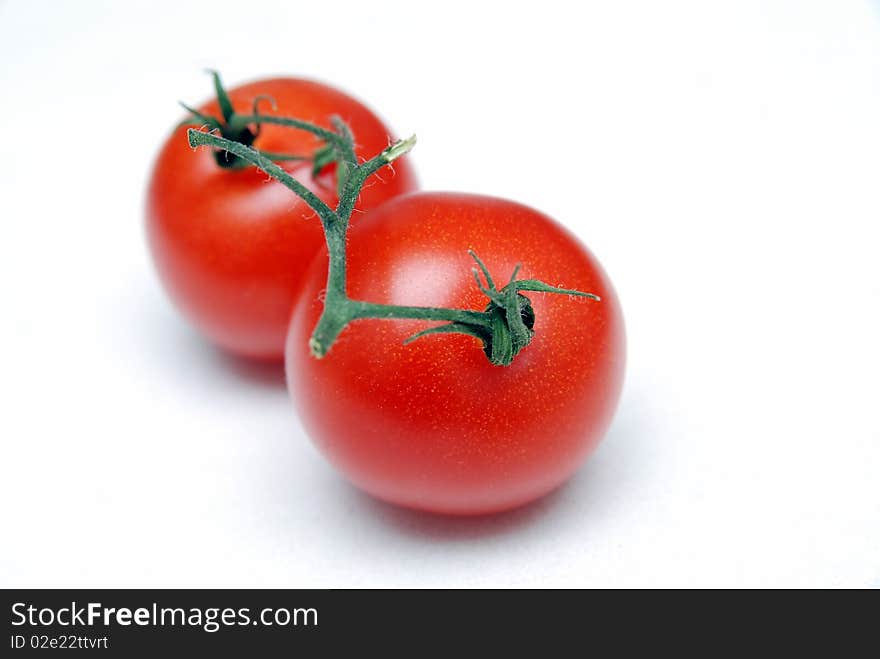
263,373
169,339
435,526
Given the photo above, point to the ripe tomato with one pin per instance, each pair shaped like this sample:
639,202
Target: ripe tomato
231,247
433,424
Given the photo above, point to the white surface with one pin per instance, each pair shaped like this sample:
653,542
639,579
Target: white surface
721,158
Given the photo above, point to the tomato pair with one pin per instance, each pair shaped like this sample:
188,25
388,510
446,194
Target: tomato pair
431,424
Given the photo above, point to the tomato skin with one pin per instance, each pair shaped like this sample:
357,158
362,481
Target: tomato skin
433,425
231,246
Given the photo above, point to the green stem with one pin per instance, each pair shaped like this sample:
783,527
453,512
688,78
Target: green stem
334,235
386,311
340,311
504,327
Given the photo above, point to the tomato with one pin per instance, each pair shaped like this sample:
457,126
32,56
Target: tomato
231,246
434,425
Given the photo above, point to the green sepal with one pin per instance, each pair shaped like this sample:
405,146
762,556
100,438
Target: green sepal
502,350
451,328
484,270
513,304
223,100
536,285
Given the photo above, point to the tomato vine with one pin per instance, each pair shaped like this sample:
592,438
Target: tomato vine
504,327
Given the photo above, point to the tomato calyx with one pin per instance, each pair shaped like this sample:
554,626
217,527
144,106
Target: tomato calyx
240,128
504,327
509,316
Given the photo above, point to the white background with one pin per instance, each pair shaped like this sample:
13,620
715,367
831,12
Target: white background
721,158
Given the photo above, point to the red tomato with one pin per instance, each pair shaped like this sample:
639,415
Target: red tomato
232,246
433,424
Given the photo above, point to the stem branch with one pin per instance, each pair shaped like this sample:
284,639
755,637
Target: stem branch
504,327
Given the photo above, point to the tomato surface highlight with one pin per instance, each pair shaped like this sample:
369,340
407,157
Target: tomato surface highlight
231,246
433,425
